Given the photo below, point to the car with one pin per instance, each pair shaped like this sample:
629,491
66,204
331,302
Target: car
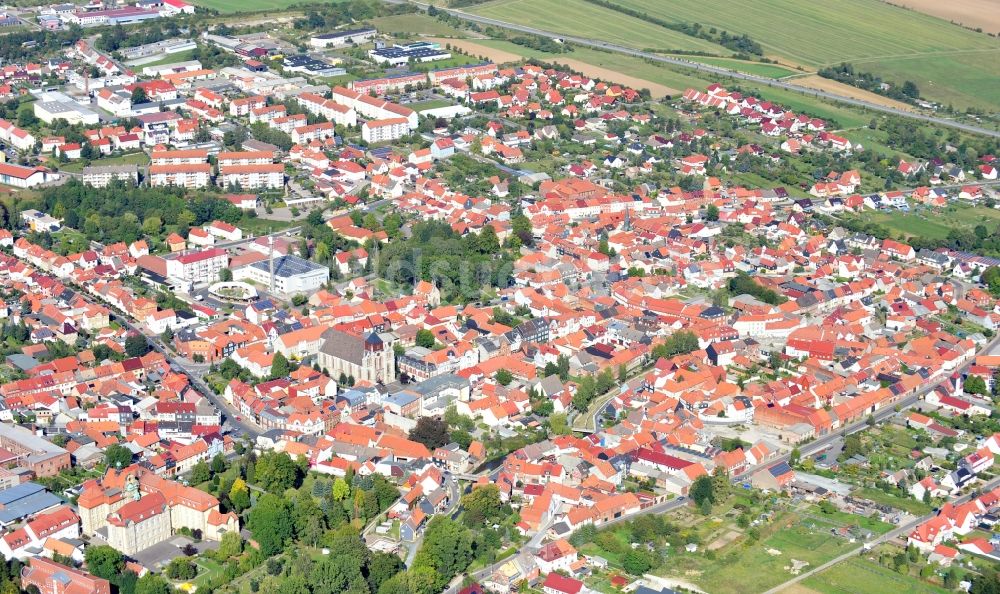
199,297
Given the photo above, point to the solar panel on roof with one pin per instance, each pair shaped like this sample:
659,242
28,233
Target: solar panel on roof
780,469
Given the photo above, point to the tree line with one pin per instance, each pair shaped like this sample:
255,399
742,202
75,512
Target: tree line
845,73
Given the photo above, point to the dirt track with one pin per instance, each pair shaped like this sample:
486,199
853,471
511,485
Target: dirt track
606,74
971,13
814,81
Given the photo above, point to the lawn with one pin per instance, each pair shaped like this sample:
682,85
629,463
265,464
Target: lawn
578,17
140,159
421,24
947,62
208,569
839,518
261,226
69,241
860,576
936,224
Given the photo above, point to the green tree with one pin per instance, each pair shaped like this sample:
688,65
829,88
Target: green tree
482,506
181,568
987,583
341,490
270,522
225,275
279,366
239,495
117,456
425,338
975,385
139,95
558,424
446,550
219,464
275,472
712,213
504,377
104,561
200,473
637,561
430,431
136,345
703,489
231,545
382,567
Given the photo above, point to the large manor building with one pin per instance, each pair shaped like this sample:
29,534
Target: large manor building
139,509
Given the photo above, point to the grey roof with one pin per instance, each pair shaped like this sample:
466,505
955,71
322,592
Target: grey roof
342,345
440,383
289,266
23,500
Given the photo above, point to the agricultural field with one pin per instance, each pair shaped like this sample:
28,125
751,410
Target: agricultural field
948,63
959,79
984,14
577,17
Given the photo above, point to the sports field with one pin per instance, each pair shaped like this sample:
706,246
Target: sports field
949,63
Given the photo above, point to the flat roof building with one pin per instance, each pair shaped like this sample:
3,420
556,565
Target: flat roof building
291,274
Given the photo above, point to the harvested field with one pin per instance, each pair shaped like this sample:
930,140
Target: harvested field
971,13
502,56
815,81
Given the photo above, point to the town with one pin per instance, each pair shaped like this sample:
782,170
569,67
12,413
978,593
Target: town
309,305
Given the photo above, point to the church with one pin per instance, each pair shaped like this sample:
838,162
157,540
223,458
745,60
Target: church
370,359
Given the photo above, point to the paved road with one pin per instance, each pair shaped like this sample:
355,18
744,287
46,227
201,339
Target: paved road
194,372
709,69
888,536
